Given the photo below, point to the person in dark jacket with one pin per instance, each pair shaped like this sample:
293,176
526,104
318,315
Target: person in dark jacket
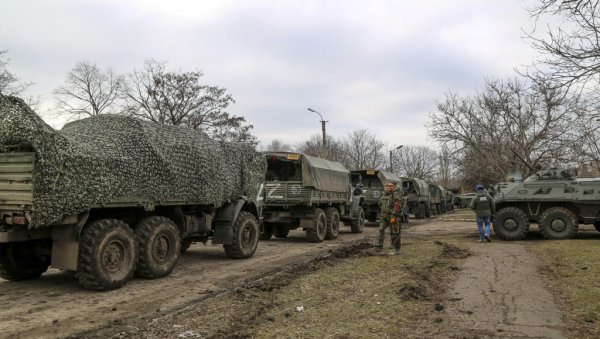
483,205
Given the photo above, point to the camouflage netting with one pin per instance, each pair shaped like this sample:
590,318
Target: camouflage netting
96,160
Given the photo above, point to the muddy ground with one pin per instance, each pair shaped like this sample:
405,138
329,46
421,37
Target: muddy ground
498,292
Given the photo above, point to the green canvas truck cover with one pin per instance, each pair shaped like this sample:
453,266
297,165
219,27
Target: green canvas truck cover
386,177
95,160
324,175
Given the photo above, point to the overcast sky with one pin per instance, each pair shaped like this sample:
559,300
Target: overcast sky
376,64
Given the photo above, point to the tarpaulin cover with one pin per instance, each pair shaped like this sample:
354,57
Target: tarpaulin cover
421,186
98,159
324,175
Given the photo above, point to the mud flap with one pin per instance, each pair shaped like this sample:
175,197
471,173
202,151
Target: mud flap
224,220
65,248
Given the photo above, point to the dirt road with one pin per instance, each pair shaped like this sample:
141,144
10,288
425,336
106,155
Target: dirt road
56,306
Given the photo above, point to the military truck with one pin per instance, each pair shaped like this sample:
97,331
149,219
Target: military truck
311,193
112,196
463,200
372,183
418,200
553,199
436,199
449,200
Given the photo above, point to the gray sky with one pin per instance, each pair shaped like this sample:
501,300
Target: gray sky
377,64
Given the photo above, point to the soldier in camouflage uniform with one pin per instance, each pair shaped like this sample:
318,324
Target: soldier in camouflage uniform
390,206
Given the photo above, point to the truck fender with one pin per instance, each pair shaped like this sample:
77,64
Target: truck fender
225,217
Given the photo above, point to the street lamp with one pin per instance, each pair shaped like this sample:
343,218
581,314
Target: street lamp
324,143
391,161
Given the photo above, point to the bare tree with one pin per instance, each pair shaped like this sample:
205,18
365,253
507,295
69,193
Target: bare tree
570,53
363,149
10,84
89,91
178,98
416,162
313,146
535,120
277,145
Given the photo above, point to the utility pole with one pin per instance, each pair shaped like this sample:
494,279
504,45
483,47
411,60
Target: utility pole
324,141
391,159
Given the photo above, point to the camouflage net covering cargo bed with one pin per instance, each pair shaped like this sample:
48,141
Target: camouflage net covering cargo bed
98,159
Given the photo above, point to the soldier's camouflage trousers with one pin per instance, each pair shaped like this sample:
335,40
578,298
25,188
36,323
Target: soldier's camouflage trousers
394,232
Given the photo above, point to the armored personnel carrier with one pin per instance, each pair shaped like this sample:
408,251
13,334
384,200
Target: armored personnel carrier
553,199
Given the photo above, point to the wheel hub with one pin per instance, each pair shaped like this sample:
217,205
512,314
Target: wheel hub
510,224
558,225
113,256
161,248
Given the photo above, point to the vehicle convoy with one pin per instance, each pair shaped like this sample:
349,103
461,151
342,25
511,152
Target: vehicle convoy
449,200
311,193
112,196
372,183
553,199
418,199
463,200
436,194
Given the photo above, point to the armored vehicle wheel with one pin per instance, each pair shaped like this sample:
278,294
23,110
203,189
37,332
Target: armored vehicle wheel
185,245
282,231
267,231
597,226
317,233
245,237
18,261
333,223
358,225
558,223
159,246
108,254
511,223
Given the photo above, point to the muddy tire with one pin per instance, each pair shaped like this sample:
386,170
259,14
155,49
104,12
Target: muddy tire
185,245
108,254
358,224
333,223
319,230
159,246
18,261
245,237
558,223
267,231
511,223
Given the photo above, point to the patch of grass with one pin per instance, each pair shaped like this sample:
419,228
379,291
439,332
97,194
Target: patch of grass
365,296
572,271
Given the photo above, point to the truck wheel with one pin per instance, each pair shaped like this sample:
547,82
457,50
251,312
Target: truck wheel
558,223
245,237
18,261
185,245
333,223
358,225
159,246
317,233
281,231
267,231
108,253
427,211
597,226
511,223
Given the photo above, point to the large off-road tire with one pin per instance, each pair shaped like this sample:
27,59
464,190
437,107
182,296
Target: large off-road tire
427,211
267,231
108,254
185,245
245,237
319,230
19,261
511,223
358,224
597,226
159,247
558,223
333,223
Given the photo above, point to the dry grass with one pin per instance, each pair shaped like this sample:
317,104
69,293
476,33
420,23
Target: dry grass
367,295
572,270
